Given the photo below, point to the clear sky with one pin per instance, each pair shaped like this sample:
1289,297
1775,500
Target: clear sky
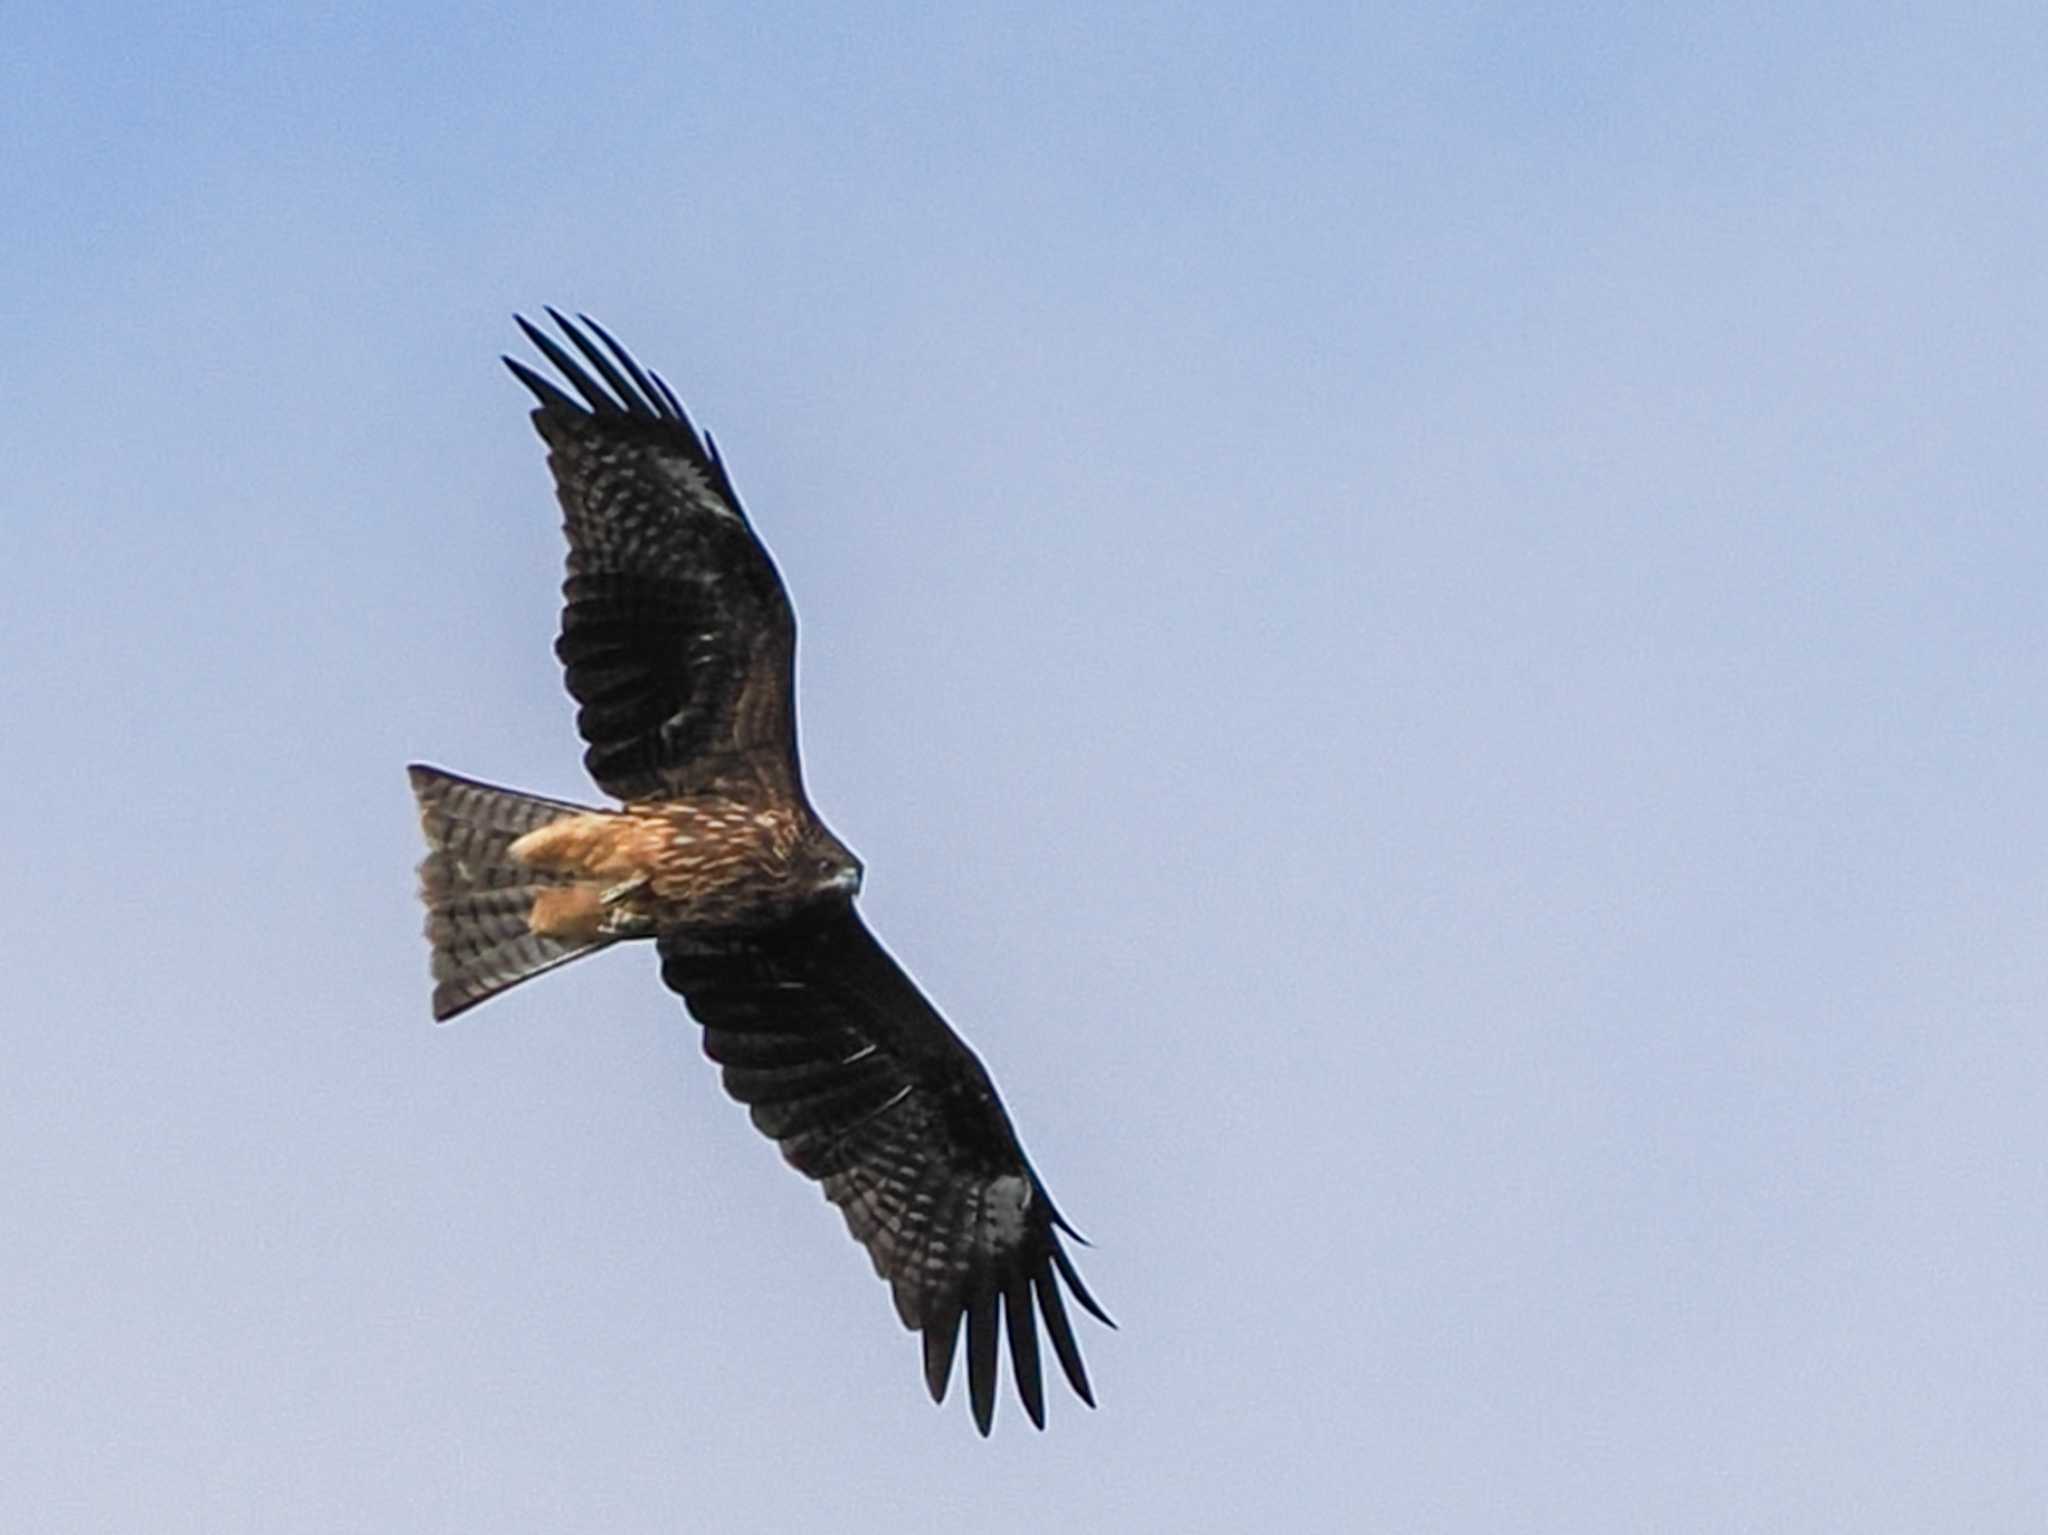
1429,620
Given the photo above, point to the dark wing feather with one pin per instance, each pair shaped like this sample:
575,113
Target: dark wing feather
840,1058
677,635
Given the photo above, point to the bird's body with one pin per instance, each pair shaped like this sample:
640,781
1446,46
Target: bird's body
705,861
678,643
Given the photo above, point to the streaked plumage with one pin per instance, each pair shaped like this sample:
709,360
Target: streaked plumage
678,644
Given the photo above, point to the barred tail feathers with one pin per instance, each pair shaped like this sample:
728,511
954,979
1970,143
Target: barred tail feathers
479,899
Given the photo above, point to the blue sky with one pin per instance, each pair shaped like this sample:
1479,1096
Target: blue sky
1428,620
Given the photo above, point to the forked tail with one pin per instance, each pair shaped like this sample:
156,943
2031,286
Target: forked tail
480,900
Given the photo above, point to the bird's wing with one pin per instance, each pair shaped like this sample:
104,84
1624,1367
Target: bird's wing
677,634
840,1058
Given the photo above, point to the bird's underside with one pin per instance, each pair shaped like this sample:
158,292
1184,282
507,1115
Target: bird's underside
678,644
700,863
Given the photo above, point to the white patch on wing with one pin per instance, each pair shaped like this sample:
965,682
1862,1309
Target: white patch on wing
695,483
1004,1203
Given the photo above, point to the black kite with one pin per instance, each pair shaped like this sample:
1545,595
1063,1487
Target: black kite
679,646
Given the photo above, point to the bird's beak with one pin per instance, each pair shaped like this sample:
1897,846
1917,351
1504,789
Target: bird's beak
847,882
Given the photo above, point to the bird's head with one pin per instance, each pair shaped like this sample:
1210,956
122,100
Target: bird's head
832,867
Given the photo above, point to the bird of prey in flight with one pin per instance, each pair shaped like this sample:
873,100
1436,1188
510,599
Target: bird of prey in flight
679,646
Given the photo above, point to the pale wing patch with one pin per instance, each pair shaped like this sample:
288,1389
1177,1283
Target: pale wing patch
1005,1202
695,484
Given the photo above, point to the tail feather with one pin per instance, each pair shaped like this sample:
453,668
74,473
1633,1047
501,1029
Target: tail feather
480,899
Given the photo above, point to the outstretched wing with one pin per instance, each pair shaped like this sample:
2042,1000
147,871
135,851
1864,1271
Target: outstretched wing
841,1059
677,635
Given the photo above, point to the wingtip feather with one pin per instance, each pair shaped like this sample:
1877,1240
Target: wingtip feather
1061,1331
594,397
549,396
1073,1279
940,1340
657,393
1022,1324
981,1359
635,400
